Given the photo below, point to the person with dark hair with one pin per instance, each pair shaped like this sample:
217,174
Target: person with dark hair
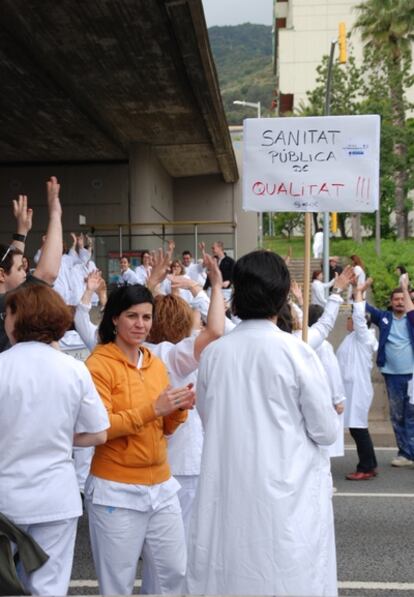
128,276
12,273
48,404
143,271
194,270
334,267
395,358
264,499
360,276
318,288
355,359
130,494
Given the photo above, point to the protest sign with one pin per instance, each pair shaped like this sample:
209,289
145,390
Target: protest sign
311,164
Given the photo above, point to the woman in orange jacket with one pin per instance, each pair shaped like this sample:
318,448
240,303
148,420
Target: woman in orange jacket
130,494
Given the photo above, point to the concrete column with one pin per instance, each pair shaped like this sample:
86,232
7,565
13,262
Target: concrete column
150,195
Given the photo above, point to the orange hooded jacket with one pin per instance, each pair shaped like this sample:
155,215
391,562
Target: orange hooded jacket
136,450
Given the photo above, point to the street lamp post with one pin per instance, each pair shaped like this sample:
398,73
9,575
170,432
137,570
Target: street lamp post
258,107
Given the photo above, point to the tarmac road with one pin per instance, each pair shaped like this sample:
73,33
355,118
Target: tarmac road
374,533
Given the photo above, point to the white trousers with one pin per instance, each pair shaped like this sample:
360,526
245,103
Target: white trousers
119,535
57,539
186,496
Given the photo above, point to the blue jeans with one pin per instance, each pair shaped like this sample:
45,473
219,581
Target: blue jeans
401,413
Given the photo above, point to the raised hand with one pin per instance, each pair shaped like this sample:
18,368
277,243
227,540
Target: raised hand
80,241
161,263
405,282
296,290
53,190
23,215
345,278
94,281
213,270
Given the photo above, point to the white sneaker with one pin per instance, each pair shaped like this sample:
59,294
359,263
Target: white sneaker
402,461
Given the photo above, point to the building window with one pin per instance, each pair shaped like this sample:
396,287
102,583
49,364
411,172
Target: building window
281,23
286,103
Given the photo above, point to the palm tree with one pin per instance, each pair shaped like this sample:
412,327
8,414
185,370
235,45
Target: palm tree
387,28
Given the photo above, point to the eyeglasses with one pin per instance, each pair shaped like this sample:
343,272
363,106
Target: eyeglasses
9,249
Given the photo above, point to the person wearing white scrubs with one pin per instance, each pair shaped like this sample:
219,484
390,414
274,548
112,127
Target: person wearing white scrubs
318,287
127,276
143,271
73,345
317,247
355,356
263,520
332,369
48,404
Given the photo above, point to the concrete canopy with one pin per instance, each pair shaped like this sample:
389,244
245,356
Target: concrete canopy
85,81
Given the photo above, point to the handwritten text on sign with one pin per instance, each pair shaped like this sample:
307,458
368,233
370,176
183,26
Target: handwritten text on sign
327,163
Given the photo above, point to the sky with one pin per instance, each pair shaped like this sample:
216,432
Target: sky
235,12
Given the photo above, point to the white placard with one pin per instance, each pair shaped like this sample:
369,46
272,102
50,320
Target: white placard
325,163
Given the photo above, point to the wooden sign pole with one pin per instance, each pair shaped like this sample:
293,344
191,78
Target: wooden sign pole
306,277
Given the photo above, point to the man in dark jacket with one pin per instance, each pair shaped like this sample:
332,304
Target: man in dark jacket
395,358
225,263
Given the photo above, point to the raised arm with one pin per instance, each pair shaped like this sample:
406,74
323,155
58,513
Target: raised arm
320,330
408,303
49,263
216,314
83,324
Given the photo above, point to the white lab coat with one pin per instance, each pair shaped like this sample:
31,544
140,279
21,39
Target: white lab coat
196,272
129,277
318,292
330,364
263,521
317,247
142,274
45,397
355,359
317,335
360,281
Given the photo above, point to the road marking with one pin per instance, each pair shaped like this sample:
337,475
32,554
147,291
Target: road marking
78,584
350,447
378,495
351,585
376,586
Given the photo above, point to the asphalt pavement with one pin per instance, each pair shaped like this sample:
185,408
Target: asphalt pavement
374,523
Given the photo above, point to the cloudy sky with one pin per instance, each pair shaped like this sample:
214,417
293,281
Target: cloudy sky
234,12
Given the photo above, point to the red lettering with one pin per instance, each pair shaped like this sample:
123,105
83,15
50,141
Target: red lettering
324,188
259,188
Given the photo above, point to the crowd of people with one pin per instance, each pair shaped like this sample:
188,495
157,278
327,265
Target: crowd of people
200,428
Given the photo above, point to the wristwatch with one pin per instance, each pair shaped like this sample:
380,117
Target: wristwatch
336,290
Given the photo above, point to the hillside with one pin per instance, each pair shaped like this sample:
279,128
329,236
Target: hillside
243,57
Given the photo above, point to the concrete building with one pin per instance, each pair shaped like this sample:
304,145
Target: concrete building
120,100
303,31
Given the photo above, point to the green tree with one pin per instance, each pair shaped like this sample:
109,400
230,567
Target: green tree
286,222
387,28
